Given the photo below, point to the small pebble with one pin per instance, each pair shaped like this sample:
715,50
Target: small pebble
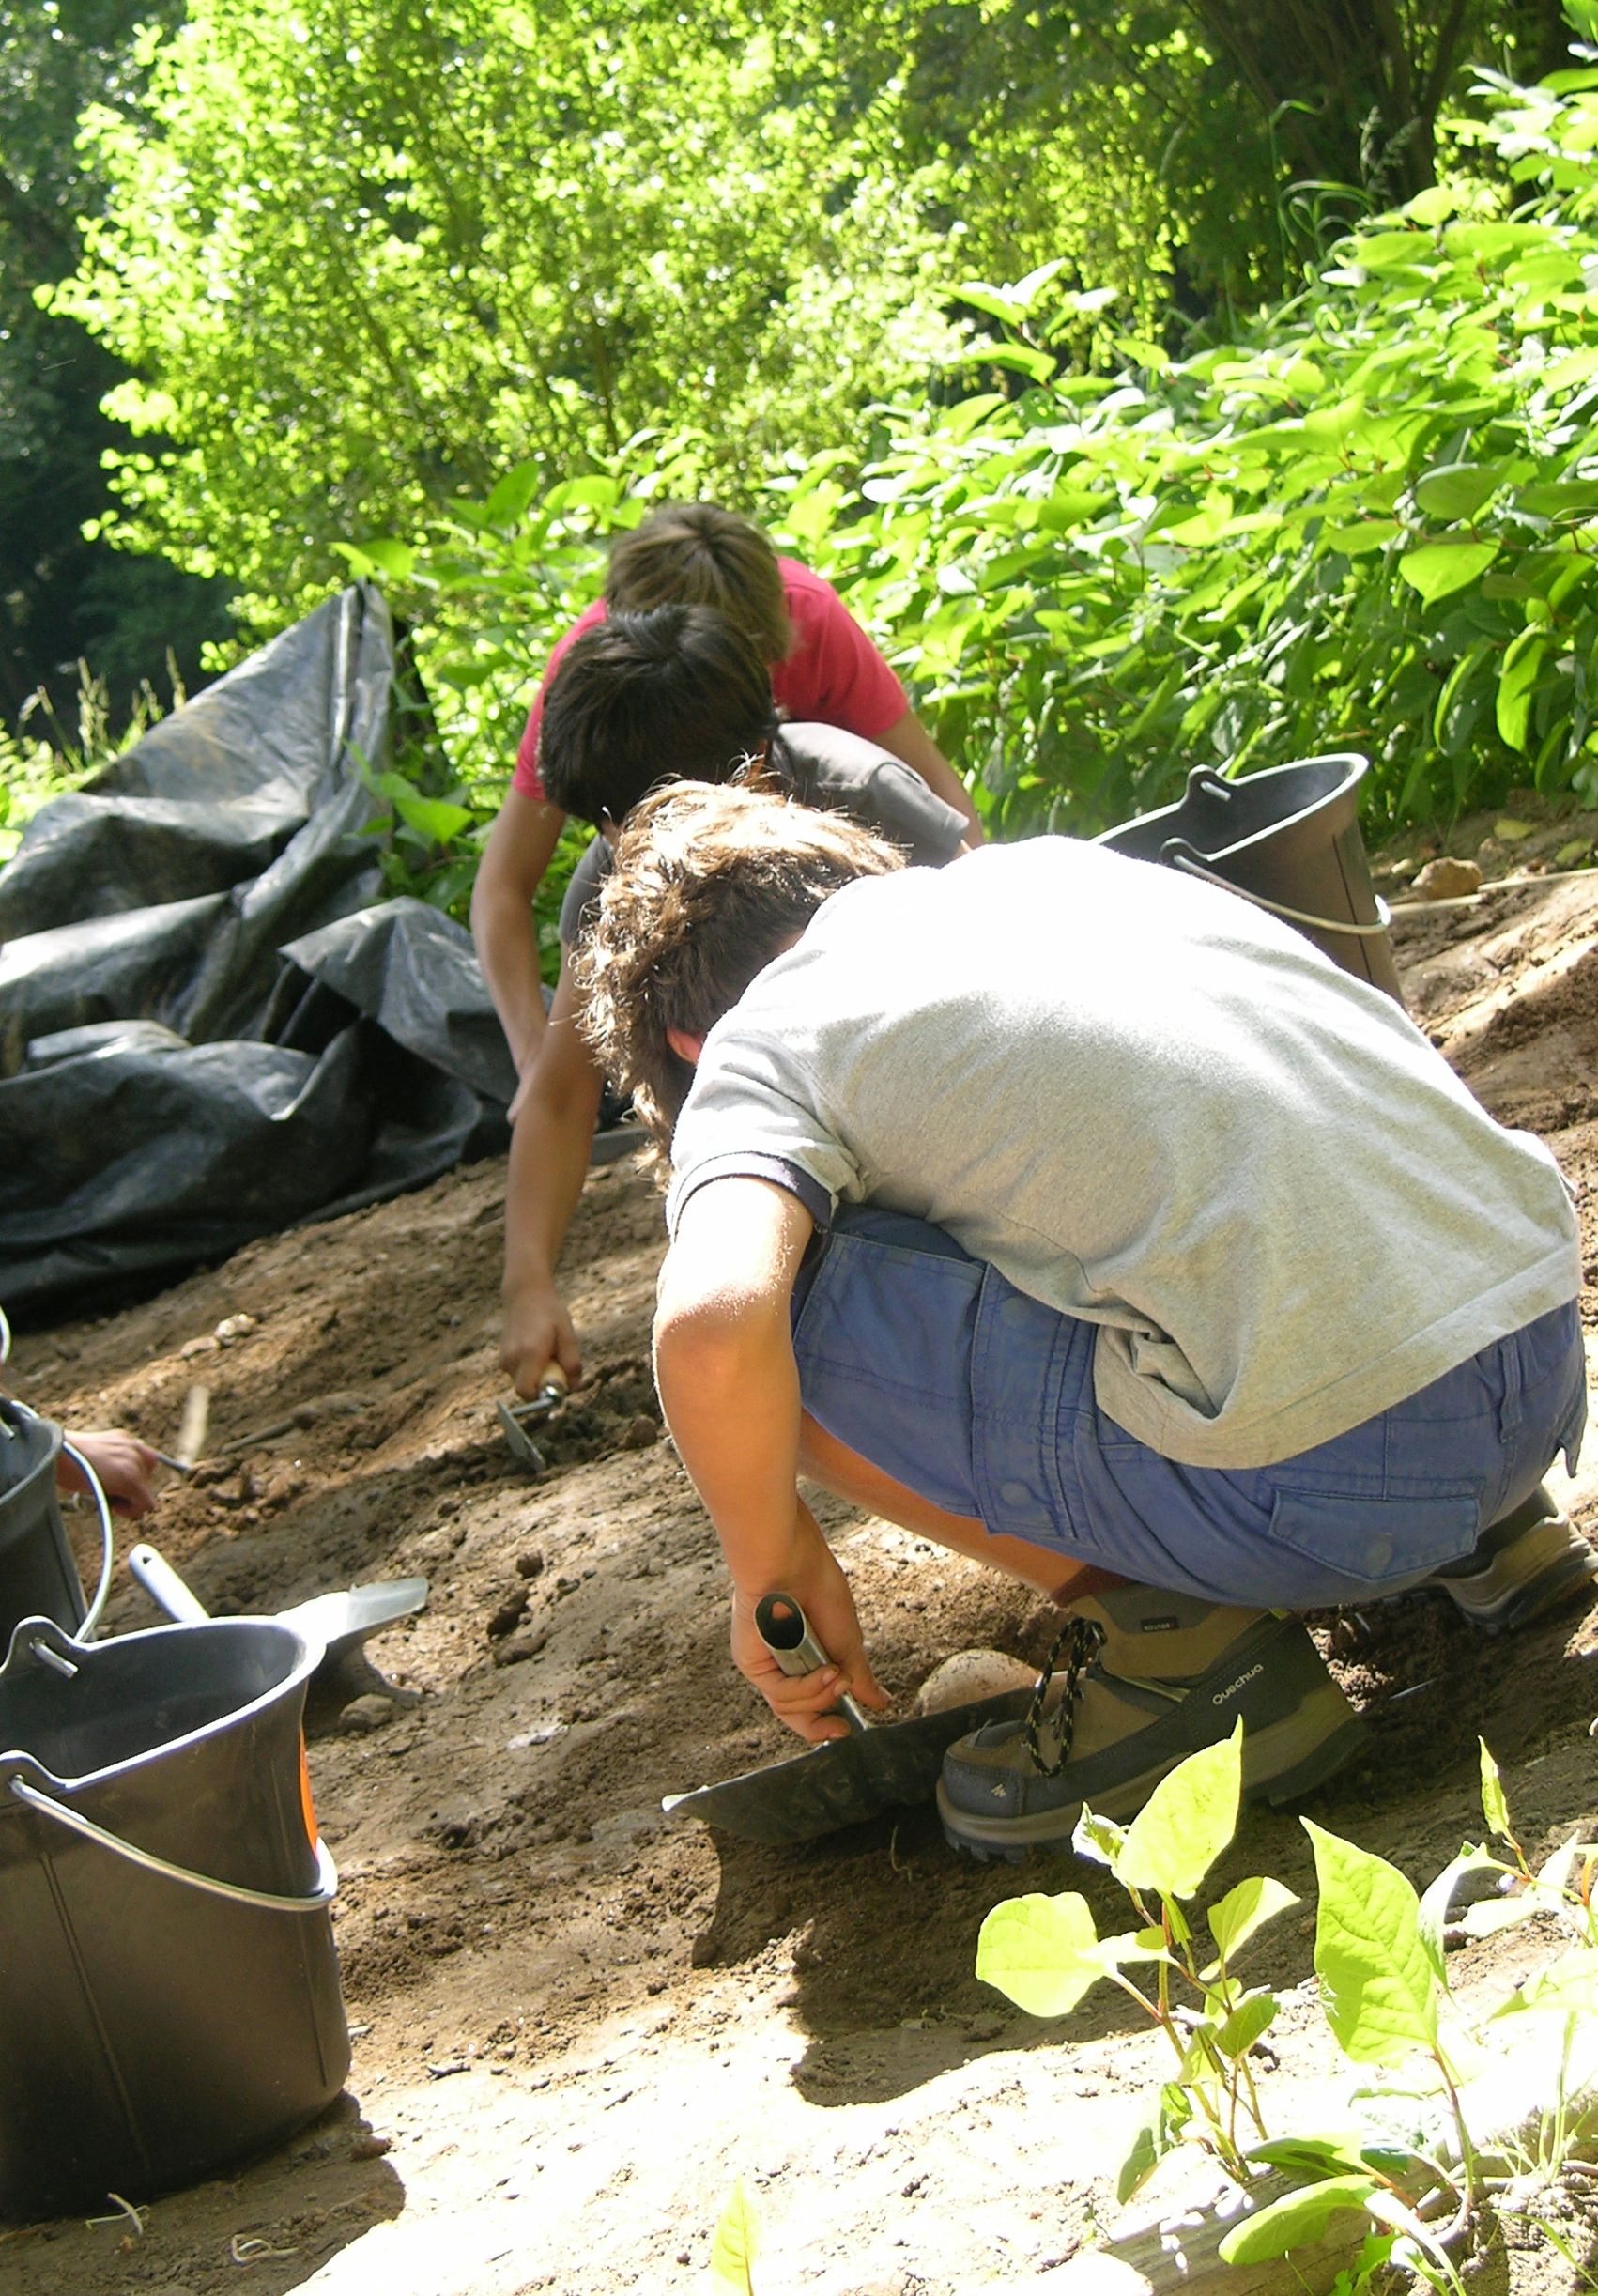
1446,879
510,1613
528,1565
516,1647
366,1713
370,2147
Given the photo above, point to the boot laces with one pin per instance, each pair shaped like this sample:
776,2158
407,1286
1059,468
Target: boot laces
1085,1637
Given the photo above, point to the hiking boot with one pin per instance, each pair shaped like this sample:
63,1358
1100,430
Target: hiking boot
1148,1679
1522,1565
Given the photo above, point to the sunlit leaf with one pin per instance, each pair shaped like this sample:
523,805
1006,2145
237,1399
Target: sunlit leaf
1377,1985
732,2250
1298,2220
1245,1909
1040,1952
1438,569
1186,1822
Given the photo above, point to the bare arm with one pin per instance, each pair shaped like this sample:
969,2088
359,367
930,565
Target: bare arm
550,1152
729,1388
909,742
513,866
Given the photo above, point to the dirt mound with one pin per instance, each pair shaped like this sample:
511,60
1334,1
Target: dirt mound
577,2021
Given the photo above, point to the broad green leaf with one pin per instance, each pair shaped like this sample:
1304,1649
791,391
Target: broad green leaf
1559,498
1020,358
513,494
1251,2017
1040,1952
1132,1945
1435,1902
1568,1985
1298,2220
1438,569
1186,1822
1517,684
1162,2128
1495,1807
433,818
1234,1918
1456,489
1362,536
1377,1982
732,2250
1313,2157
1098,1837
394,558
993,301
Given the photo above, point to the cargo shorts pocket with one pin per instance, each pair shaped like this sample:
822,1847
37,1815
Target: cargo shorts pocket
1376,1542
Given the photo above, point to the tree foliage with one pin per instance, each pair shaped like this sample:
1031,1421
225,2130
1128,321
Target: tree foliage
60,595
365,256
1370,523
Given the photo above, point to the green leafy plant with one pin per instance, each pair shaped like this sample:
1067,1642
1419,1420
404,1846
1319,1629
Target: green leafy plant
1379,1956
47,755
737,2237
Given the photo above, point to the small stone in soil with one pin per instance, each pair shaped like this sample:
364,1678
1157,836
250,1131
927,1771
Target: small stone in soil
516,1647
510,1613
530,1565
364,1713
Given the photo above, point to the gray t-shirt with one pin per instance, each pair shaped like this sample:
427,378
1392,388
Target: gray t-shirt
838,773
1152,1105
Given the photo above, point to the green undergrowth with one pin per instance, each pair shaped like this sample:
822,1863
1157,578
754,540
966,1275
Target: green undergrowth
1412,2147
1369,523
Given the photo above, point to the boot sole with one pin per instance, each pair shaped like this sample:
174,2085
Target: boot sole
1280,1762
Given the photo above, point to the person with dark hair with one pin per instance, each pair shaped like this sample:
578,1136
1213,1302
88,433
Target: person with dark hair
677,692
676,683
822,670
1086,1219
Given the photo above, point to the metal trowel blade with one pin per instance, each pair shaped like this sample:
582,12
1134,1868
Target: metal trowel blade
341,1622
845,1781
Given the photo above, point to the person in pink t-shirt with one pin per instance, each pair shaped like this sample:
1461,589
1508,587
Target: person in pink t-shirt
824,669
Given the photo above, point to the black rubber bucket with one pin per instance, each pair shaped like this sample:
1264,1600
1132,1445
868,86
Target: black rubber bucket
39,1578
169,1991
1287,838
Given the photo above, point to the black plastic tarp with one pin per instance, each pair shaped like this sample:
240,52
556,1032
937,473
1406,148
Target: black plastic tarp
211,1025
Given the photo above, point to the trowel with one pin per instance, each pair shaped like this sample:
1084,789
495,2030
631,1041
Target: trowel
847,1779
340,1623
520,1414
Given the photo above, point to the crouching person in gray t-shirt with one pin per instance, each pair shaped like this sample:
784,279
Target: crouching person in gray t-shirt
1086,1219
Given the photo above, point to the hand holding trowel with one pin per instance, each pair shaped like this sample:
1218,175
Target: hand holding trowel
847,1780
521,1414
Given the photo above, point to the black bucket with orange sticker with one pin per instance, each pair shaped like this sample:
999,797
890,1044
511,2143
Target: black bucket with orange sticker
169,1990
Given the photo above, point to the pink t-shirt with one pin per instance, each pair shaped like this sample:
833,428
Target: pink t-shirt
835,675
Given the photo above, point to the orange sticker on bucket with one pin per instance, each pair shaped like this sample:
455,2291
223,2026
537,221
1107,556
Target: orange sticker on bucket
306,1802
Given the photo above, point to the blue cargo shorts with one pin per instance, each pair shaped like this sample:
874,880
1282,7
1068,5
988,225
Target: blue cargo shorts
933,1367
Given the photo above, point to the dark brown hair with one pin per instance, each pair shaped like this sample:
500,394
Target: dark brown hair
709,884
677,694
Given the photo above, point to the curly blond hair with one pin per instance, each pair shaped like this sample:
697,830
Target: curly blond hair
709,884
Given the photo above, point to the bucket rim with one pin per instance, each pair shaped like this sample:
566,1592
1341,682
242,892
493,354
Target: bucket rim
1355,763
29,1633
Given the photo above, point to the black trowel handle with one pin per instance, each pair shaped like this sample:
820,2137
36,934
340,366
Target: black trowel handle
785,1630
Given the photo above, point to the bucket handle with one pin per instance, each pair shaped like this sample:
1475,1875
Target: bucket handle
326,1873
1183,858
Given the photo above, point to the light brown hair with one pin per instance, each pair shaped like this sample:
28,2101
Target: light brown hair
709,884
698,554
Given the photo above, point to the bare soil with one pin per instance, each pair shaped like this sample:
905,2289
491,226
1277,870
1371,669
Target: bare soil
577,2021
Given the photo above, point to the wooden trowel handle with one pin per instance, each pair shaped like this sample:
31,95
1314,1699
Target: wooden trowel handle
785,1630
